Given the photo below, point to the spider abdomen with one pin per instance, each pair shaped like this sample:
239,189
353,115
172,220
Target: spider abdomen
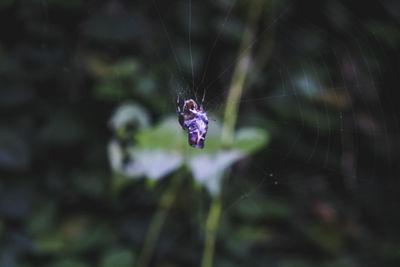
197,129
195,121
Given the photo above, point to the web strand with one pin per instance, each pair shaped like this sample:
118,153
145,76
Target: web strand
216,40
190,42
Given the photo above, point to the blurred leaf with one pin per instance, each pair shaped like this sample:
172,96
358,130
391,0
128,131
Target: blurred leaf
15,204
7,260
130,114
249,140
111,90
390,252
335,98
209,164
250,233
153,164
322,121
89,184
227,262
94,235
344,262
120,258
167,135
161,149
14,95
115,156
49,243
2,227
118,183
6,3
328,237
63,128
108,29
65,63
73,227
66,3
312,116
385,32
299,262
81,234
10,66
68,263
246,235
126,68
147,85
14,150
99,67
268,208
42,220
209,169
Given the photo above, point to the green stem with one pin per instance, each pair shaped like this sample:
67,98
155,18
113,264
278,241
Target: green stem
239,76
158,220
228,129
211,231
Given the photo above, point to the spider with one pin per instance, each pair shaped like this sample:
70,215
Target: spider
194,120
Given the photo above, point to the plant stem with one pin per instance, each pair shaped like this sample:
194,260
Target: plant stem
158,220
239,76
228,129
211,230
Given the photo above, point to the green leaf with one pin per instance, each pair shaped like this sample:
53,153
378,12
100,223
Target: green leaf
93,236
120,258
42,220
295,262
130,113
248,140
208,169
49,244
115,156
268,208
126,68
153,164
110,89
167,135
68,263
164,148
327,237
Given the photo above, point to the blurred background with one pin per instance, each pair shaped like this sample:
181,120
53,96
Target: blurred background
84,84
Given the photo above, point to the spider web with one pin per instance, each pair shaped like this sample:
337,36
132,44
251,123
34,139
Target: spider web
330,115
346,147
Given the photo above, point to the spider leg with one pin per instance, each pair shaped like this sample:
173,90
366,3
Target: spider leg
178,108
181,117
194,111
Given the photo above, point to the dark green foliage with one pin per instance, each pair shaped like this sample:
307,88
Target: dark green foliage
87,86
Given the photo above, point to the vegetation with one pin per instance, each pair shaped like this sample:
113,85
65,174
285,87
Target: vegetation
300,162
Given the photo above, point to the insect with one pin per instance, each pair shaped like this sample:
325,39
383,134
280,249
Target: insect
194,120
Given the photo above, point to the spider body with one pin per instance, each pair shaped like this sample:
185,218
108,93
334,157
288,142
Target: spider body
195,121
